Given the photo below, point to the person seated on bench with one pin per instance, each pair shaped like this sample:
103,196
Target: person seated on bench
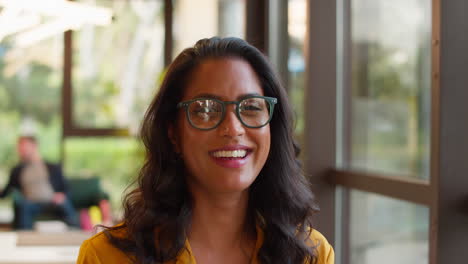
41,184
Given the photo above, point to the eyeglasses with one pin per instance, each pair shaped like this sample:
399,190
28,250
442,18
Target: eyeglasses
207,113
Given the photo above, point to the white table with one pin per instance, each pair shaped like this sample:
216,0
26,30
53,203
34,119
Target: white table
40,248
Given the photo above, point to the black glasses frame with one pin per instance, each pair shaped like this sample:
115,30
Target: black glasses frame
271,103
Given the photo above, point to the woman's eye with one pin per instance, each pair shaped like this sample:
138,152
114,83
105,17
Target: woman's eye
202,110
252,108
205,113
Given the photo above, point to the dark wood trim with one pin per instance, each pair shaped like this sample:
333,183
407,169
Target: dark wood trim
66,90
96,132
320,119
256,32
67,94
435,133
168,36
403,188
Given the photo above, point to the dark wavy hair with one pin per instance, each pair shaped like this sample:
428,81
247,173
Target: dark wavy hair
158,211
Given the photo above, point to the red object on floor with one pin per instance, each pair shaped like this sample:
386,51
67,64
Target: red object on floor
85,220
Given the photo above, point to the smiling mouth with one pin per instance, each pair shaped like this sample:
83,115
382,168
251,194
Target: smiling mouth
230,154
232,158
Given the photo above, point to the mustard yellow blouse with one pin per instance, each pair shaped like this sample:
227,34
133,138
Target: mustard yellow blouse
98,249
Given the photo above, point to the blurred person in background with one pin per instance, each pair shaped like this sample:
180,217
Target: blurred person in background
41,184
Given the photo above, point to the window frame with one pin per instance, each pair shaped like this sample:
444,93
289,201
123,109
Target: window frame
70,129
327,152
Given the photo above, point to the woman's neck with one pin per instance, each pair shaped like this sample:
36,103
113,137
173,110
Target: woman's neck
221,222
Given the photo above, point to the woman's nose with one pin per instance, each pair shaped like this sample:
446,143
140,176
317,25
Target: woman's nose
231,125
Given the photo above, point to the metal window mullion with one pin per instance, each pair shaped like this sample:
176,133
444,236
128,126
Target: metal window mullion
168,34
450,161
278,39
343,129
320,111
435,132
398,187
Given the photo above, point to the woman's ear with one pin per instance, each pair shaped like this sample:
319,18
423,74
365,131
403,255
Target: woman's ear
173,137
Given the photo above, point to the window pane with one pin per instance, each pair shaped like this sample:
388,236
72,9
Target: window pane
116,66
194,20
30,83
116,161
387,231
297,17
391,81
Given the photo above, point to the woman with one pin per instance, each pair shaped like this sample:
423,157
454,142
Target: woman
221,182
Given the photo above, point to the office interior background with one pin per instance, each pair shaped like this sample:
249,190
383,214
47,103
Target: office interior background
379,90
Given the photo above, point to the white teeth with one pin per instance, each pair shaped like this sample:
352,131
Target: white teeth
230,153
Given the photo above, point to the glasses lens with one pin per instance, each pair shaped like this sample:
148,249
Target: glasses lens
205,113
254,112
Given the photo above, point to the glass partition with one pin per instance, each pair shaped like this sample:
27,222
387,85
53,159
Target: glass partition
116,66
391,86
386,231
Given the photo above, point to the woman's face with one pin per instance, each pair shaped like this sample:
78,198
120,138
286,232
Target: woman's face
208,155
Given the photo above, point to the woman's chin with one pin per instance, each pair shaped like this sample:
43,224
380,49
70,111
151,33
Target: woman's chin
227,183
230,187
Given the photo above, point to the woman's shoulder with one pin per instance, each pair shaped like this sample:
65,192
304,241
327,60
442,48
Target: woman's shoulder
325,252
99,249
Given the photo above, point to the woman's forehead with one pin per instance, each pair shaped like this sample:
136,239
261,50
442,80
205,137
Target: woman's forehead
226,78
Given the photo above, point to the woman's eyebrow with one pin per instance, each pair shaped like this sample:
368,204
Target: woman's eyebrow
207,95
247,95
